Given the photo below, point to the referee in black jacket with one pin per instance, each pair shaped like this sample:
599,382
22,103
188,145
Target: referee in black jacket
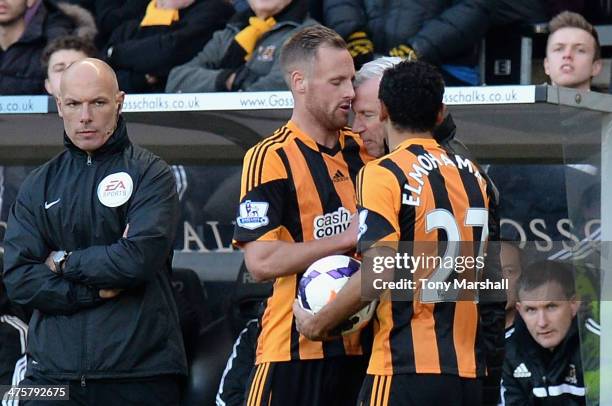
89,247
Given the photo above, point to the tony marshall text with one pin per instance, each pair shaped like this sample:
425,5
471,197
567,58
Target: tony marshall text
404,284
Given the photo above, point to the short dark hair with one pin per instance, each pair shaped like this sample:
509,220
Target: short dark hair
568,19
546,271
67,42
412,92
301,47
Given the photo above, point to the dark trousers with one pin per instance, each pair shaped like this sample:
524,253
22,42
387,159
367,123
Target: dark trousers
420,390
160,390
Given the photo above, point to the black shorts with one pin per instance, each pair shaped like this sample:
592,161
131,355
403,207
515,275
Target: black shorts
323,382
420,389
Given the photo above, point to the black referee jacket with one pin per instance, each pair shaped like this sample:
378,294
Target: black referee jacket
82,204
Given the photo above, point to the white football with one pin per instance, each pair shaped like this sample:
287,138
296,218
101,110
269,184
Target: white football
321,283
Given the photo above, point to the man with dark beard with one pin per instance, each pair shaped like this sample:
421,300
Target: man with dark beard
293,184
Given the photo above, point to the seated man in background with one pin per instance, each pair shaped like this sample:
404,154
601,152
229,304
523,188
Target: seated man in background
23,39
443,33
573,54
543,362
146,39
59,54
245,54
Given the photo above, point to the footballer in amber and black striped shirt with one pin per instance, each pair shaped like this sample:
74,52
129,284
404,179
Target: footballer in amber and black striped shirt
427,350
294,190
296,206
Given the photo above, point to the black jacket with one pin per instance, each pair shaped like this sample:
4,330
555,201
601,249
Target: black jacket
440,31
536,376
20,67
155,50
67,204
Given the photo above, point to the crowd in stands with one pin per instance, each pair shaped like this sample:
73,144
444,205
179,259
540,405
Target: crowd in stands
222,45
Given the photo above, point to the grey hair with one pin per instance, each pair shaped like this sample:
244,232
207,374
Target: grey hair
375,69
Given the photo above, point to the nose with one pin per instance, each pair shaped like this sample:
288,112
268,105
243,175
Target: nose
542,319
358,126
348,91
85,116
568,53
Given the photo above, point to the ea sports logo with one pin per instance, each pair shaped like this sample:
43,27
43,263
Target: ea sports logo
114,185
332,223
115,189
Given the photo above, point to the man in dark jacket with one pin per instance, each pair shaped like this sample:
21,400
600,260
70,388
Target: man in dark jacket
543,364
89,247
149,38
245,55
25,28
445,33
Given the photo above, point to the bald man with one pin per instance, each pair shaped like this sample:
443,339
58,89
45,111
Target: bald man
89,248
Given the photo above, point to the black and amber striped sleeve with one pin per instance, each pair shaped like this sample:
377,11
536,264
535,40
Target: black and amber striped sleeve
378,199
262,191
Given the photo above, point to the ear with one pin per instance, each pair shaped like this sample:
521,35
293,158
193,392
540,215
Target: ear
441,115
30,3
574,305
596,68
517,305
119,100
298,81
48,87
546,67
58,103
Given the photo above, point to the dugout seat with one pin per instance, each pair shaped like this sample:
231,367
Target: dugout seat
247,299
192,305
206,366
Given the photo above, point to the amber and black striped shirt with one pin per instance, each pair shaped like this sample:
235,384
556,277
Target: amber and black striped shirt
416,188
296,190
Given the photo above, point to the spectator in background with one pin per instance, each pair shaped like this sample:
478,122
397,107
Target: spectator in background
154,36
440,32
543,364
22,40
245,54
573,54
59,54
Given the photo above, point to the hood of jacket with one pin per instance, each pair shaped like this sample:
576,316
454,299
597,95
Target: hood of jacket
84,22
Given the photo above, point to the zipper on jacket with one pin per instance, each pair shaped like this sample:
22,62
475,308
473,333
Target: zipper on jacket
88,160
83,383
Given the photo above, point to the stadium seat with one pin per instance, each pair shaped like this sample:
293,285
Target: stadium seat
192,304
247,299
213,346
